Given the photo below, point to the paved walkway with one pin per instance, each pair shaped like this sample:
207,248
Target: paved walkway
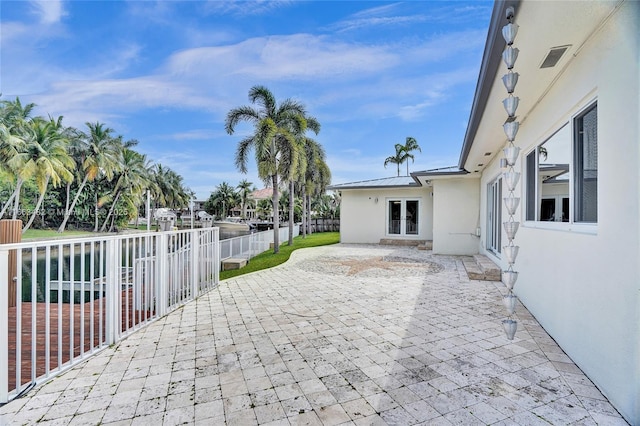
345,334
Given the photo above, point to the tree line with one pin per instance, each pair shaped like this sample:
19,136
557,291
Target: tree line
52,175
225,198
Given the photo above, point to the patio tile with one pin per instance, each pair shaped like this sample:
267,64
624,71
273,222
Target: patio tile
303,344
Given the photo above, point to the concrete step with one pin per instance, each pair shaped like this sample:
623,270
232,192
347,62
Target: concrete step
402,242
491,271
233,263
480,267
428,245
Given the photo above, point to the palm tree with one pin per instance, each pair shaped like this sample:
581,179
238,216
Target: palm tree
245,189
314,125
273,141
48,155
10,146
396,159
313,175
410,145
97,154
221,200
15,120
403,153
168,188
132,179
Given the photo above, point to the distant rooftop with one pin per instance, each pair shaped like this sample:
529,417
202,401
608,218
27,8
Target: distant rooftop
396,181
261,194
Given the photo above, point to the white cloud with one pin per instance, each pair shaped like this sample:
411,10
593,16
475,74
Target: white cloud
48,11
244,8
299,56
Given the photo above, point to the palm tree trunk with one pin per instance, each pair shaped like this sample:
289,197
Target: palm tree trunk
276,215
67,213
7,204
16,200
35,211
304,211
398,164
113,206
309,214
95,226
291,212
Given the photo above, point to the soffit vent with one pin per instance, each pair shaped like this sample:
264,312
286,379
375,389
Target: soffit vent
554,55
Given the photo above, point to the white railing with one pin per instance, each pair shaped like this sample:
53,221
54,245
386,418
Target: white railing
75,297
251,245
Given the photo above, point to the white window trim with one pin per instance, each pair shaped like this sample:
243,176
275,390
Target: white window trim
571,226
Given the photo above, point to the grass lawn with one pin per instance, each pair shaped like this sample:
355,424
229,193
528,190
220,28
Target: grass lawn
47,234
268,259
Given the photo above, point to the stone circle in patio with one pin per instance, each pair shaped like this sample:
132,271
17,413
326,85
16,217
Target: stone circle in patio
379,266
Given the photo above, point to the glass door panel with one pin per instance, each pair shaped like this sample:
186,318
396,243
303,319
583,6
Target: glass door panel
395,215
411,217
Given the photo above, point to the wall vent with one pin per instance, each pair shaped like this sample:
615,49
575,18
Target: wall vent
554,55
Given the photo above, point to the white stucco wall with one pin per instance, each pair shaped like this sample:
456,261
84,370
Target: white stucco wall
363,220
584,287
455,216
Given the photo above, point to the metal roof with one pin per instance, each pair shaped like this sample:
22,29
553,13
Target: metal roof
396,181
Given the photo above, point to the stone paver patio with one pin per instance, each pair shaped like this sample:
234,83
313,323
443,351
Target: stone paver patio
344,334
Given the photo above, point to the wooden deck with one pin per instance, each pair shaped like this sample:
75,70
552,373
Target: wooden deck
84,338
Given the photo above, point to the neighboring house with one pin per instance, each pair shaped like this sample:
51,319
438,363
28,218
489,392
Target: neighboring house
257,196
579,236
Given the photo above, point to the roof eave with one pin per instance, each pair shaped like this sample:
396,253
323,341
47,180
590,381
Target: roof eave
490,63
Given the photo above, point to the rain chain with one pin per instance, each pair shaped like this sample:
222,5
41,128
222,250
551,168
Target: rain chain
511,177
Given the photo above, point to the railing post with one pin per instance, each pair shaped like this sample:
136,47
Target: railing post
4,327
216,255
195,263
162,259
112,281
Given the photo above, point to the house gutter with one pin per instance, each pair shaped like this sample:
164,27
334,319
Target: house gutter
491,59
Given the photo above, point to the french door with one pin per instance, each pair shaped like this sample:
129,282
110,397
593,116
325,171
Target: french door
494,216
403,216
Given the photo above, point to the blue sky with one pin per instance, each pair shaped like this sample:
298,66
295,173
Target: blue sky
166,73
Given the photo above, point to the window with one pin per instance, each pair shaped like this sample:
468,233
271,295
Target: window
586,166
494,216
403,217
562,173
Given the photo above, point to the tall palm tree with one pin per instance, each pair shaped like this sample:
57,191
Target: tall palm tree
273,141
224,197
132,179
10,146
410,145
245,189
15,120
168,188
48,156
98,153
396,159
403,153
297,174
317,177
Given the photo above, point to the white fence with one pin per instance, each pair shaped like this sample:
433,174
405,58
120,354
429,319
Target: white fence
248,246
78,296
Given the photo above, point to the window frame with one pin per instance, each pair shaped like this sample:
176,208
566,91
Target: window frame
572,225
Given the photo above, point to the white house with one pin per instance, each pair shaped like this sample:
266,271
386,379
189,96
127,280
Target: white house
579,215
